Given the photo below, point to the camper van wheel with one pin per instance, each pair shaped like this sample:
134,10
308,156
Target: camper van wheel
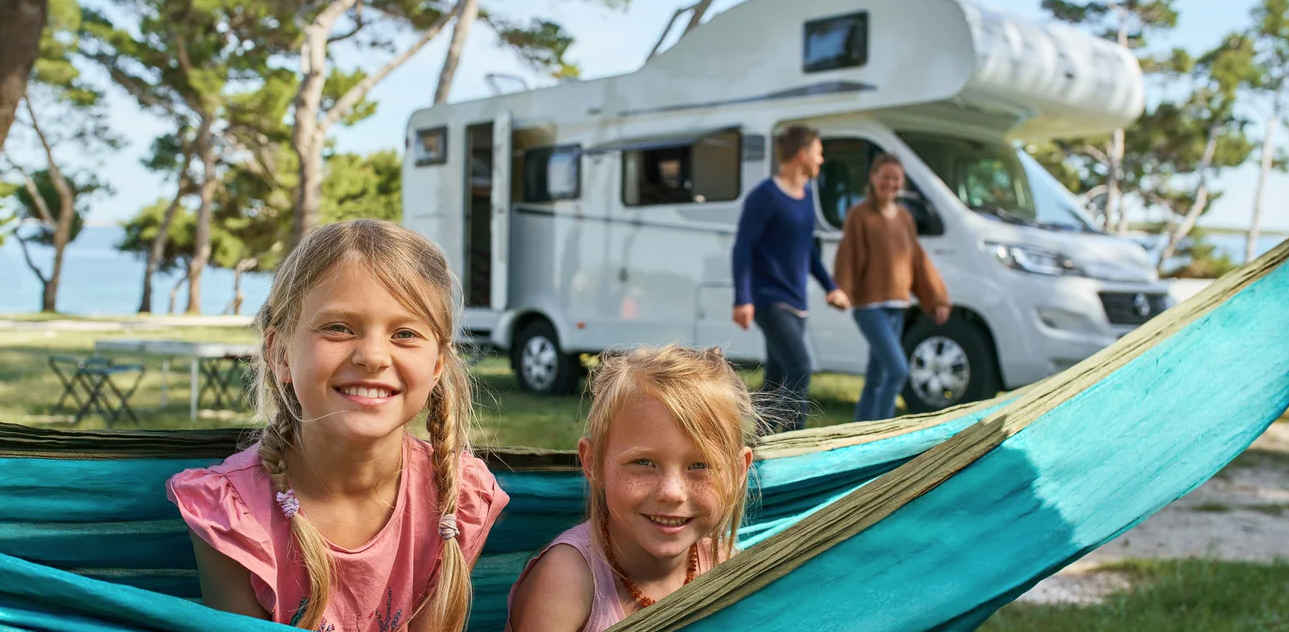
540,365
949,364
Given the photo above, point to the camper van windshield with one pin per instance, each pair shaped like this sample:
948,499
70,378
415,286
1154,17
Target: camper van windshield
998,180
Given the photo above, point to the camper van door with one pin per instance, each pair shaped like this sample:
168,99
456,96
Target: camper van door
501,144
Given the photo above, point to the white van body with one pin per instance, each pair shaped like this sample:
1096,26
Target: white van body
602,213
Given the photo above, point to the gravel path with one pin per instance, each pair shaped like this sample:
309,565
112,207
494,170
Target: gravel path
1242,514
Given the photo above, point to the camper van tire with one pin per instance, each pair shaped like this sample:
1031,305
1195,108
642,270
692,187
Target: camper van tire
949,364
540,365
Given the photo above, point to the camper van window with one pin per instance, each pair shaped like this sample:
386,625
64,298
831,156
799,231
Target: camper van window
708,170
844,177
836,42
431,146
989,177
552,173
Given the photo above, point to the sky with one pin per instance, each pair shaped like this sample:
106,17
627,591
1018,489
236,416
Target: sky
607,42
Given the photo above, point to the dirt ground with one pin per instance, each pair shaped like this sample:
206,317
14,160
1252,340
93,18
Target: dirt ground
1242,514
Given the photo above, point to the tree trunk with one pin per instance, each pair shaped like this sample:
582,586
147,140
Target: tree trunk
235,307
66,213
308,104
1114,198
159,242
469,11
1197,207
34,268
24,21
201,240
308,196
1268,146
310,133
174,291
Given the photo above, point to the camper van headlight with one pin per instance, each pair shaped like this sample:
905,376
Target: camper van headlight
1032,259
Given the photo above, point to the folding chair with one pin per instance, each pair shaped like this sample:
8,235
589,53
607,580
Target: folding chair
219,381
92,378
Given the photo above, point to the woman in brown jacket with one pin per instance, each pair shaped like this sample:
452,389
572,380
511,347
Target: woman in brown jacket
879,263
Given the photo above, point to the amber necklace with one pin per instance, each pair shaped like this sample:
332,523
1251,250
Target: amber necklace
631,587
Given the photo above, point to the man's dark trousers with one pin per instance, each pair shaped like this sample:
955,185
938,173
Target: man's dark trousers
787,362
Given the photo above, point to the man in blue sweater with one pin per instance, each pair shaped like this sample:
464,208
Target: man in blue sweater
774,253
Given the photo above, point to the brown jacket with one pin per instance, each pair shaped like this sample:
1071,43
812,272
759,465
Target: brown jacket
880,259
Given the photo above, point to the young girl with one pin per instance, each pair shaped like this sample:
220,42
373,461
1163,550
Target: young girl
337,519
879,263
666,458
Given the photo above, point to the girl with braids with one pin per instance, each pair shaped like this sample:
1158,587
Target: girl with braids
666,456
337,518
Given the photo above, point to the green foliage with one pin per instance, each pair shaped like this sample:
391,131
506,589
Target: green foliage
363,186
10,214
1086,162
417,14
25,207
252,213
1169,143
540,43
141,230
1200,259
1105,18
58,44
338,83
1163,161
1271,44
184,60
1271,53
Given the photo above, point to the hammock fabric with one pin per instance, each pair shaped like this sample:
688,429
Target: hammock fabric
921,523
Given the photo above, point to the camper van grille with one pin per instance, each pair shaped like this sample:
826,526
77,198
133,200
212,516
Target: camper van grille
1132,308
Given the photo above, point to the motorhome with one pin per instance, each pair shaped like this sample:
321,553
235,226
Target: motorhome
595,214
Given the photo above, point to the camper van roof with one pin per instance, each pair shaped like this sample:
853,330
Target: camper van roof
1048,79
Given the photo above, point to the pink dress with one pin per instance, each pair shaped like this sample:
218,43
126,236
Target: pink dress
376,586
606,608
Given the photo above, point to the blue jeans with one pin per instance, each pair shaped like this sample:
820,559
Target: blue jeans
787,363
887,365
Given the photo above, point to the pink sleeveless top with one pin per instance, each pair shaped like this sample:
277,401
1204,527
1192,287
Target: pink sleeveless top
606,608
377,586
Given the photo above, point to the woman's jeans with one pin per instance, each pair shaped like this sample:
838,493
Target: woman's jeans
887,365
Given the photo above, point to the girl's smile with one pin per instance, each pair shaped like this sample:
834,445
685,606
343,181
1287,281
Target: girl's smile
368,393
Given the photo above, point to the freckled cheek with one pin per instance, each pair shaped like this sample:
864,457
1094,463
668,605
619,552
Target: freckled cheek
625,491
704,496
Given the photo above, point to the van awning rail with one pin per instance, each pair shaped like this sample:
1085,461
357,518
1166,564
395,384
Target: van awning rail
660,141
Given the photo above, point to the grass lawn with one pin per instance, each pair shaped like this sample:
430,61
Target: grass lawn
507,416
1169,596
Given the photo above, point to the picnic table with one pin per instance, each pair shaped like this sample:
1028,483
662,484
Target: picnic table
211,364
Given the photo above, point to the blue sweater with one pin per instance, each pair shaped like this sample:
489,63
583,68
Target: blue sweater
774,250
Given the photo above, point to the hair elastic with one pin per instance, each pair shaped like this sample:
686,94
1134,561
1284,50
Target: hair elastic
448,526
289,503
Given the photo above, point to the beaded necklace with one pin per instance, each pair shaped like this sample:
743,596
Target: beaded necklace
634,590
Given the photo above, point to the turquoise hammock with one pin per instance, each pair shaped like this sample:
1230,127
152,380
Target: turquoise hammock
85,526
925,523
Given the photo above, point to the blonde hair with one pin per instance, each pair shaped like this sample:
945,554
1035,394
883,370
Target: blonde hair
415,271
705,396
